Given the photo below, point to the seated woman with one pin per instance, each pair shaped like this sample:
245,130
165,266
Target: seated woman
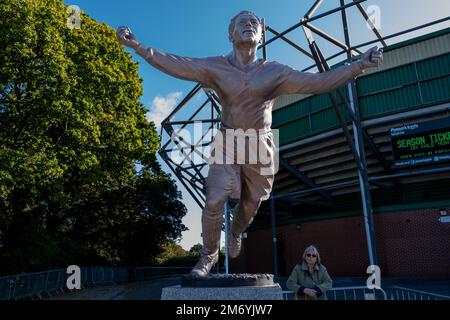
309,278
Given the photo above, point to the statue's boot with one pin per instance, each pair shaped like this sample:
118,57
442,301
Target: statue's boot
211,226
205,263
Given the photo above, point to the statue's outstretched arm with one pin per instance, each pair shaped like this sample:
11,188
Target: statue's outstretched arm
294,81
185,68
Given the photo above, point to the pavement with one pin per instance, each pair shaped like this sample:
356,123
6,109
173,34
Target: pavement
140,290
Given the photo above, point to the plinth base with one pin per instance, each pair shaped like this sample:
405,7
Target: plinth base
225,287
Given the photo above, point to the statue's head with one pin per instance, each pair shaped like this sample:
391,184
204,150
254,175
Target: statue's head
245,27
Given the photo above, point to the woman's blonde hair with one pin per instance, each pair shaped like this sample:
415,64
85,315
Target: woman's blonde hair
314,249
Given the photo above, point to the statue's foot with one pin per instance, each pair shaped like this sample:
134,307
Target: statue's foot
234,244
204,264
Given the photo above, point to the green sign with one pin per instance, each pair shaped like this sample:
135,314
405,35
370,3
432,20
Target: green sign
420,143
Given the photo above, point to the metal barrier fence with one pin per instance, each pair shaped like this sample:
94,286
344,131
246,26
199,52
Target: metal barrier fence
363,293
36,285
347,293
356,293
400,293
39,284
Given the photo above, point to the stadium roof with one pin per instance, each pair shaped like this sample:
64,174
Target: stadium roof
412,86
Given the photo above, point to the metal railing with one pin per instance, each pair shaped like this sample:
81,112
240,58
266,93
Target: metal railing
364,293
347,293
356,293
401,293
48,283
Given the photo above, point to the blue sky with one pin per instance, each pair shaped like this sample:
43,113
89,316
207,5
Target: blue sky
199,28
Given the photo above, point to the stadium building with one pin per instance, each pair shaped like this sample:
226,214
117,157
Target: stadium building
402,104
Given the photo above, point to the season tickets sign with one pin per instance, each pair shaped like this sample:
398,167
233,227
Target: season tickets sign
421,143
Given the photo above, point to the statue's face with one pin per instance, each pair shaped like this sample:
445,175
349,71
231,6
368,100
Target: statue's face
247,29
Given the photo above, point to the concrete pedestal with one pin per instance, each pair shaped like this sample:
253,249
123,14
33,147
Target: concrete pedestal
216,293
225,287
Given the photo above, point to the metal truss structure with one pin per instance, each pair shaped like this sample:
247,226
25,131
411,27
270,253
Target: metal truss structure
193,175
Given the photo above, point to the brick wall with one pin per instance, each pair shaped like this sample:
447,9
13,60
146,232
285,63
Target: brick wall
409,243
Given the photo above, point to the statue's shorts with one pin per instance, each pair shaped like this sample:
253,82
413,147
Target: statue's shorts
243,164
242,167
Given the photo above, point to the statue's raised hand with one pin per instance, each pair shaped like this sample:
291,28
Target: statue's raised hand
372,58
126,37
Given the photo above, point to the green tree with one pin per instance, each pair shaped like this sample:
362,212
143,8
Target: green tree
73,130
171,250
196,249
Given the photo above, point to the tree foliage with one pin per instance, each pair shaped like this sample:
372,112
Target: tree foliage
73,130
196,249
174,255
171,250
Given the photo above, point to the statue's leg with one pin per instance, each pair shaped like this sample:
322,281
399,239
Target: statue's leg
223,182
257,181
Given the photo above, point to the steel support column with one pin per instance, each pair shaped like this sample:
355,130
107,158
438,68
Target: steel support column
227,228
274,235
359,142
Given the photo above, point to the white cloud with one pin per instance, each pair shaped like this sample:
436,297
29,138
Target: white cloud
162,107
